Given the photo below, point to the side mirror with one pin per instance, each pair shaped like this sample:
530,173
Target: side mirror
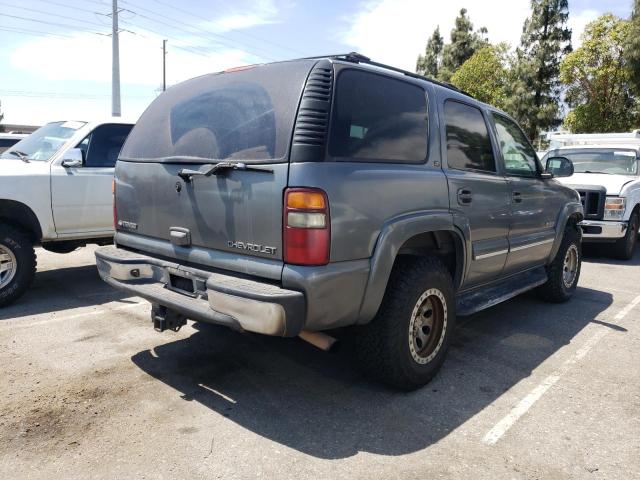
559,167
72,158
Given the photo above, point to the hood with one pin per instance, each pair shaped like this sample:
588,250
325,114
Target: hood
11,168
613,183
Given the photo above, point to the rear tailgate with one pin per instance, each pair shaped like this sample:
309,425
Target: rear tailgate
243,117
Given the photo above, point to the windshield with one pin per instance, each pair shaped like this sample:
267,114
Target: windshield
602,160
42,144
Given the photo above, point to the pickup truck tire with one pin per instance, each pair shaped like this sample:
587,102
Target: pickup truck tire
406,343
623,249
564,271
17,262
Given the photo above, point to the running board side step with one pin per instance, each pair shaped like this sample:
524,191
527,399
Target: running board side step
473,301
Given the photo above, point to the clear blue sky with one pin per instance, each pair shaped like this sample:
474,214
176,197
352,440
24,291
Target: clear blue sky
55,61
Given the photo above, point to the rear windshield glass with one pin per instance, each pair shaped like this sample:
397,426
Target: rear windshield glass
245,115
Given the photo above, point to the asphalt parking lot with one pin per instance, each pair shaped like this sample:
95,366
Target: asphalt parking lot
529,391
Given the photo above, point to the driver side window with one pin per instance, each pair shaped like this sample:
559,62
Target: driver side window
518,154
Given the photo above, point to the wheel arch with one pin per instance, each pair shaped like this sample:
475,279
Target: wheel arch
20,215
422,234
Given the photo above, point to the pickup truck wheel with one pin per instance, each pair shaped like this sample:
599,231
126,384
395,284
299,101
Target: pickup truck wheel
17,263
623,249
406,343
563,273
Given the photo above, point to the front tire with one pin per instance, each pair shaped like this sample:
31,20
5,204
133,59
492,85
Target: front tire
564,271
17,263
623,249
406,343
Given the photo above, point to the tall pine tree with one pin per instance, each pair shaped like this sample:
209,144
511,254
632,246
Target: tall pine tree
441,61
429,63
464,43
535,96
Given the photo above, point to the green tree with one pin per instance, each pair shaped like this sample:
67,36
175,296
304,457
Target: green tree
485,75
429,63
632,48
464,43
599,80
534,96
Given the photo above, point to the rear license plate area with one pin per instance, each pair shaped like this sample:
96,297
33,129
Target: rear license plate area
182,284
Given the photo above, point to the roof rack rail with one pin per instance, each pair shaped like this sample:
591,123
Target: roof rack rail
356,57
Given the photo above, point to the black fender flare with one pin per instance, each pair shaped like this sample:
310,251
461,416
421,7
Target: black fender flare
570,209
391,238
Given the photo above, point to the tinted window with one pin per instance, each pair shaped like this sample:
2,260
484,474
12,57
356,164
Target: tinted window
240,115
104,144
468,142
6,143
376,118
519,156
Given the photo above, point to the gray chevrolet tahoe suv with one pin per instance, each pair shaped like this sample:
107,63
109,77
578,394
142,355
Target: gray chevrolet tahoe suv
298,197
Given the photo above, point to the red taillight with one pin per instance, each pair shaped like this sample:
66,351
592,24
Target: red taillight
115,212
306,226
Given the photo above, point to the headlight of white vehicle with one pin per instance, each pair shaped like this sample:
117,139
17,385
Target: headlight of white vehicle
614,208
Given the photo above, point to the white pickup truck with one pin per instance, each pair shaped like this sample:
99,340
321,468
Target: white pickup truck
55,191
607,176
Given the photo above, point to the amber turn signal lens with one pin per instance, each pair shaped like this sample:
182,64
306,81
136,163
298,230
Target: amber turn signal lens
306,200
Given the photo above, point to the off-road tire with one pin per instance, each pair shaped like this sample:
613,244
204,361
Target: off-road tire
21,246
556,290
624,248
383,346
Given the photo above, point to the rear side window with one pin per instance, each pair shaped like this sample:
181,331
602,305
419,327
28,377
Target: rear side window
378,119
468,142
102,146
243,115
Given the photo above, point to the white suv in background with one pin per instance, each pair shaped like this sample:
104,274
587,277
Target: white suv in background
607,176
55,191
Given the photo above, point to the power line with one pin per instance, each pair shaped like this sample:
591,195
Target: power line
247,34
66,5
178,24
50,23
65,17
35,33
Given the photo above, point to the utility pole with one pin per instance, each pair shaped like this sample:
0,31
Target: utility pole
115,61
164,65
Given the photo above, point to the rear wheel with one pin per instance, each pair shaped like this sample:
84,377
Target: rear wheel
623,249
563,273
17,263
406,343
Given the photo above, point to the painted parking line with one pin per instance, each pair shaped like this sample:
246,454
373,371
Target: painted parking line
528,401
60,318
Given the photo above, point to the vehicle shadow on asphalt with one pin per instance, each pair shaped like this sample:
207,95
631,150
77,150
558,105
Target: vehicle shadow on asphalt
63,289
319,404
601,253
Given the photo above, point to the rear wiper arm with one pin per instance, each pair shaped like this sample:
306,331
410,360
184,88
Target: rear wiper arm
188,174
21,155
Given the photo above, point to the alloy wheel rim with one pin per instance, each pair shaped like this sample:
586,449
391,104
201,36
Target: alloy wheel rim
570,267
8,265
427,326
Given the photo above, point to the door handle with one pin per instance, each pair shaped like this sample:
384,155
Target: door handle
464,196
517,197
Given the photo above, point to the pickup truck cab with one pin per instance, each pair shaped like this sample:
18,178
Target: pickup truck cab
56,191
606,174
10,139
298,197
